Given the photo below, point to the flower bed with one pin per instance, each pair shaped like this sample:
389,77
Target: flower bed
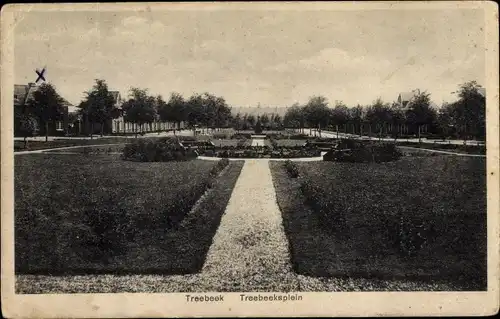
260,152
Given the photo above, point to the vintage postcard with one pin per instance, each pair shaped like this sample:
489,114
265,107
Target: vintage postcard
250,159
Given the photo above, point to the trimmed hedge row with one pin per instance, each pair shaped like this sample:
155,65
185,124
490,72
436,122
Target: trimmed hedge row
354,151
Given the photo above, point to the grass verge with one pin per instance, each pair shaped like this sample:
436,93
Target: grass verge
358,217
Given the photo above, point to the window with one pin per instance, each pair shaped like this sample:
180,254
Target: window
59,126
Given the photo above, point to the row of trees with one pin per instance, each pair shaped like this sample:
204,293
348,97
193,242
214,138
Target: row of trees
248,121
142,108
464,118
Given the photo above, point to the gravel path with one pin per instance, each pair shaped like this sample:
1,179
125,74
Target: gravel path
250,251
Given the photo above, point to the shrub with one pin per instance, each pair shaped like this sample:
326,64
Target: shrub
291,168
258,127
347,150
161,150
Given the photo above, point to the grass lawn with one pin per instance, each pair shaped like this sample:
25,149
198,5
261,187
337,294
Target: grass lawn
288,143
105,149
362,219
225,142
466,149
41,145
98,214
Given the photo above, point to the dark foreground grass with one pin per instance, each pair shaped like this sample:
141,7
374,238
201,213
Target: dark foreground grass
63,203
364,214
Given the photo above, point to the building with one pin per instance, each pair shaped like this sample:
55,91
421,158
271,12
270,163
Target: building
405,98
22,95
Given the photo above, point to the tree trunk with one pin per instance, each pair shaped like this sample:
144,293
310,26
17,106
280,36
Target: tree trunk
102,129
25,142
92,130
419,138
46,131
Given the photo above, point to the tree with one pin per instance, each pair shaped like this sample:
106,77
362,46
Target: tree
47,106
356,116
237,122
378,113
174,111
339,116
470,110
277,121
27,127
448,120
264,120
397,120
317,113
251,120
420,112
294,117
140,108
99,105
258,127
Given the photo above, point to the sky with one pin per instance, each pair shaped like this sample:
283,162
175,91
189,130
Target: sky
271,58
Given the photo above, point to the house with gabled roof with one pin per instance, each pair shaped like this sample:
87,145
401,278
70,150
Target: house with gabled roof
405,98
22,95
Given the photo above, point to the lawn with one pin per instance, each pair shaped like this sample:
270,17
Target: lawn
98,214
466,149
41,145
225,142
418,218
288,143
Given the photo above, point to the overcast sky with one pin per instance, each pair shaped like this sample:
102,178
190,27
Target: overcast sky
274,58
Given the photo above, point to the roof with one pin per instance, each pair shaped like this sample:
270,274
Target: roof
482,91
20,91
407,96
